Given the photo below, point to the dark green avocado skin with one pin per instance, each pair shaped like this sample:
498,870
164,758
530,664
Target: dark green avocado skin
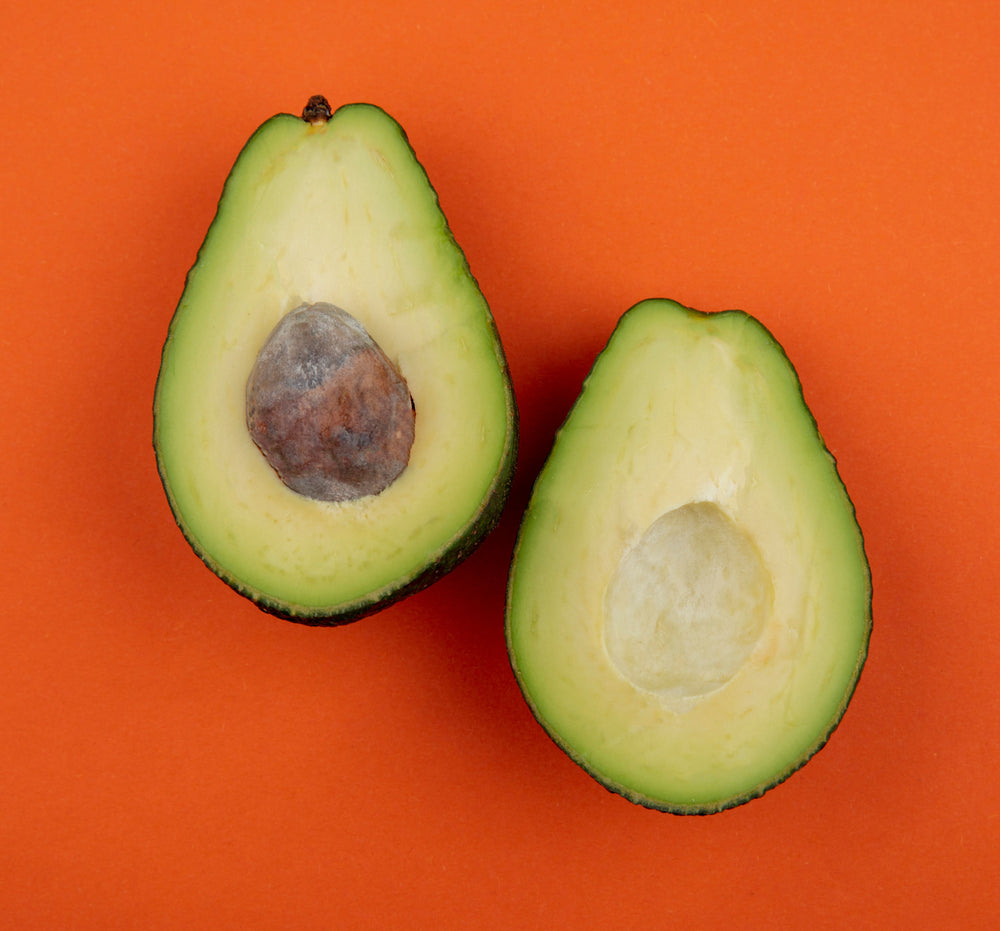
440,565
723,804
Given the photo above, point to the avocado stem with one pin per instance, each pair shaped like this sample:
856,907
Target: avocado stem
317,109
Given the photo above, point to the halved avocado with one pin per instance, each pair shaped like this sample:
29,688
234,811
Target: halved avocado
689,603
373,447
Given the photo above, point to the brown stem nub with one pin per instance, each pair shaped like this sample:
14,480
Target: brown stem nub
317,110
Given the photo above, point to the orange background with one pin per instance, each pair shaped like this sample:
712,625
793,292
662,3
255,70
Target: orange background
173,758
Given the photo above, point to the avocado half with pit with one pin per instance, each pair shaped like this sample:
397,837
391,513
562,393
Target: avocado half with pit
334,422
689,603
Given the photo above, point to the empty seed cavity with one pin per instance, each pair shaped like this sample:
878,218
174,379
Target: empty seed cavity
687,604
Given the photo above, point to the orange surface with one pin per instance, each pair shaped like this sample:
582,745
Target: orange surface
173,758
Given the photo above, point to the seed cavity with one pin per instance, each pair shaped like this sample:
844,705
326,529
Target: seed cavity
687,604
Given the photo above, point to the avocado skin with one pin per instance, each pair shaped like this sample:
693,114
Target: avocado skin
734,801
457,550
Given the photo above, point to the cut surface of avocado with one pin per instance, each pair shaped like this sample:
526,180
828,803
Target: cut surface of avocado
689,603
334,422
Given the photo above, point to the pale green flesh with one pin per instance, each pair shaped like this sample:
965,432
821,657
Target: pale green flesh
338,212
684,408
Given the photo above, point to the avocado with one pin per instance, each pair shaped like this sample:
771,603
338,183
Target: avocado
689,601
334,422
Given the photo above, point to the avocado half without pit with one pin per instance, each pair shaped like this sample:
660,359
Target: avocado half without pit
334,422
689,603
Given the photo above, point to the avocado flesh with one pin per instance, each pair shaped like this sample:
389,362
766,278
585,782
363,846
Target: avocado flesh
334,211
689,603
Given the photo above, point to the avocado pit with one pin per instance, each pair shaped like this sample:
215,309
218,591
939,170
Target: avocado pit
327,408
